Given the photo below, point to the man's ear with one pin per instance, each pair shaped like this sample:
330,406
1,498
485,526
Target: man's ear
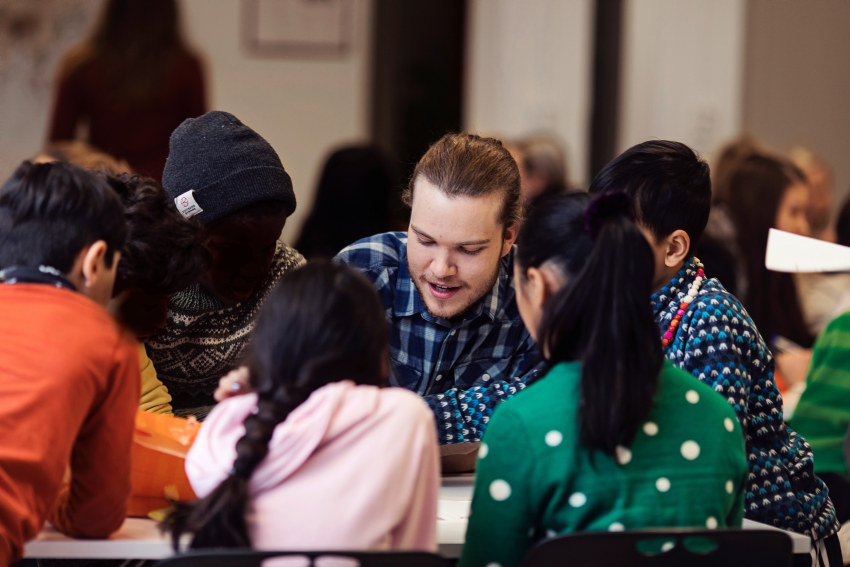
510,237
677,245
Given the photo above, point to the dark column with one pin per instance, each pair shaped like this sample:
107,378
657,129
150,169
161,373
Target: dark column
605,95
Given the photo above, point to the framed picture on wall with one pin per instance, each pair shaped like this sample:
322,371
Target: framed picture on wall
296,28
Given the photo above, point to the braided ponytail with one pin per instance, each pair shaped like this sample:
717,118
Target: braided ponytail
323,323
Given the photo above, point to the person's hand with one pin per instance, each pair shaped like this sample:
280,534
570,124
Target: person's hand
793,365
232,384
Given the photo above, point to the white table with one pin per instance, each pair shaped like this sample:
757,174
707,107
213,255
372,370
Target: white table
139,538
453,512
800,544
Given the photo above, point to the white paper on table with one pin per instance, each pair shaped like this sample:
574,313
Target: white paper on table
789,252
453,509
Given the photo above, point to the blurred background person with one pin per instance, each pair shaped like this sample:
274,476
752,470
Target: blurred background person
821,192
129,84
768,191
822,414
355,198
825,296
718,247
726,162
542,165
83,154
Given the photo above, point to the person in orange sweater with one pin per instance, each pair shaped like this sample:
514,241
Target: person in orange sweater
69,374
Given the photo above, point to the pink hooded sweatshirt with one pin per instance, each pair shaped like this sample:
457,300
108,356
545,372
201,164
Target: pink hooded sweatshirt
353,467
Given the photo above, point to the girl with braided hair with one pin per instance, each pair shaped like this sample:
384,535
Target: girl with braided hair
320,454
613,437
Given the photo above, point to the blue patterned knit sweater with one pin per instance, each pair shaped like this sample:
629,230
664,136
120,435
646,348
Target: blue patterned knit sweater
718,343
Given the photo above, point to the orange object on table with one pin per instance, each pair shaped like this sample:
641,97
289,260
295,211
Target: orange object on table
160,444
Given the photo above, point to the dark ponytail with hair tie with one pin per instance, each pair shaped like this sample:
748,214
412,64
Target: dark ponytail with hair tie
602,315
603,208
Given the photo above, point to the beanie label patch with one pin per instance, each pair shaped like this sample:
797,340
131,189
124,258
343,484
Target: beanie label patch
187,205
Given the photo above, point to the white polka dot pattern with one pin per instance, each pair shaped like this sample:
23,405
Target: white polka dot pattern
577,499
500,490
690,450
624,455
554,438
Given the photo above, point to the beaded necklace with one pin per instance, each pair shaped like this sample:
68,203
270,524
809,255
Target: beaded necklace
693,290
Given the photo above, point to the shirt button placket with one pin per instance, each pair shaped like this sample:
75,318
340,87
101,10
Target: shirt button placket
441,373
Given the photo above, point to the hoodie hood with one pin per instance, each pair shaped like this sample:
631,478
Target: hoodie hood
328,413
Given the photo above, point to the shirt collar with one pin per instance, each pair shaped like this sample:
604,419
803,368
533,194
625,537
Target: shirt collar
42,275
675,287
407,300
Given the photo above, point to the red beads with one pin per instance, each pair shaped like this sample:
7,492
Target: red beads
693,290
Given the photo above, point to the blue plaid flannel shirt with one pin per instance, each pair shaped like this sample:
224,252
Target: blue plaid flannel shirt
462,367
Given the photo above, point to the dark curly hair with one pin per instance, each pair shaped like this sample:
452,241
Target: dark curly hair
164,251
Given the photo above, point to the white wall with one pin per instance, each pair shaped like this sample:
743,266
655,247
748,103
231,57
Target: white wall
800,97
302,106
682,72
529,69
33,37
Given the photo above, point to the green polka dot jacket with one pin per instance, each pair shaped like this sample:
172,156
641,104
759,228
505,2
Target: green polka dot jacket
686,468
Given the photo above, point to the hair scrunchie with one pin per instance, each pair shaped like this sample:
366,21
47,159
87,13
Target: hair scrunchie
603,208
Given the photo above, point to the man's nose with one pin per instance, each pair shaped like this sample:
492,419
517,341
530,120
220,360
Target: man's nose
443,266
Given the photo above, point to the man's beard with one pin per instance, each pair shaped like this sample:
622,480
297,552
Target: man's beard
475,293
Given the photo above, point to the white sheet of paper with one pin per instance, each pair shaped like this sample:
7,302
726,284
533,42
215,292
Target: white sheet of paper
788,252
453,509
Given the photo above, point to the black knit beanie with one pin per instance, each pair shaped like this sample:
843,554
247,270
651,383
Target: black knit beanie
216,166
